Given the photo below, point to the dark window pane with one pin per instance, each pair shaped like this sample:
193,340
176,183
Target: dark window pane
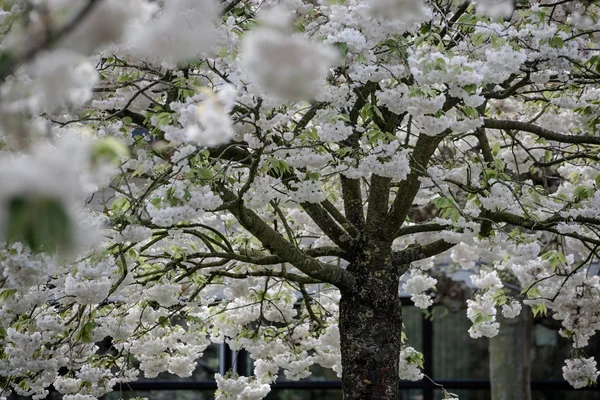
413,318
455,354
550,351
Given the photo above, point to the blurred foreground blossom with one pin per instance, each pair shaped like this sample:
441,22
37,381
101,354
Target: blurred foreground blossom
286,66
496,8
54,80
42,192
398,9
107,23
180,31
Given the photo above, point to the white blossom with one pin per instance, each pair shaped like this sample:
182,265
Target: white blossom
580,372
289,67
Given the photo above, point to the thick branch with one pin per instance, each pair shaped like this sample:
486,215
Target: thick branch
353,205
547,225
539,131
486,150
274,242
328,225
509,91
420,228
408,189
418,252
379,195
340,218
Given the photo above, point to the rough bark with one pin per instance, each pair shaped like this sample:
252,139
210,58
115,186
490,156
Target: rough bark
510,361
370,328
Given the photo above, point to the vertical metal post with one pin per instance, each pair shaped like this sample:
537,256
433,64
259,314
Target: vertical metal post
241,363
225,358
236,361
427,340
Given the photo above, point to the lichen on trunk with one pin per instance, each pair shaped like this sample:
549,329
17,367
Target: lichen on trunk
370,332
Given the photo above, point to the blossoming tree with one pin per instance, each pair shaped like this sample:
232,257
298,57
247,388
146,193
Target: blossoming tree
270,172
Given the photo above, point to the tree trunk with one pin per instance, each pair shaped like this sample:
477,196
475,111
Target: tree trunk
370,333
510,361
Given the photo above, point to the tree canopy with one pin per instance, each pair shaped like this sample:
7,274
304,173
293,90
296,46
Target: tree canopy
178,173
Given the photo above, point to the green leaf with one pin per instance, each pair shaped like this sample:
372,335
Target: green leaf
580,192
205,173
342,48
470,112
121,204
42,223
470,88
540,309
378,112
6,60
109,149
496,148
466,19
7,294
556,42
278,166
23,385
85,333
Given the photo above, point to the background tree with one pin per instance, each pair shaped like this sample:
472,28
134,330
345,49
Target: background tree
297,160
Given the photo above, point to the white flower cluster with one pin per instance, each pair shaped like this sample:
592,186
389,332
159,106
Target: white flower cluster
580,372
487,280
334,132
502,8
180,31
305,158
307,192
399,100
288,67
108,23
416,285
240,388
261,192
164,293
399,9
384,159
501,198
512,309
520,158
135,233
181,204
431,67
58,79
353,23
92,281
45,177
22,269
502,63
410,362
482,313
205,124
